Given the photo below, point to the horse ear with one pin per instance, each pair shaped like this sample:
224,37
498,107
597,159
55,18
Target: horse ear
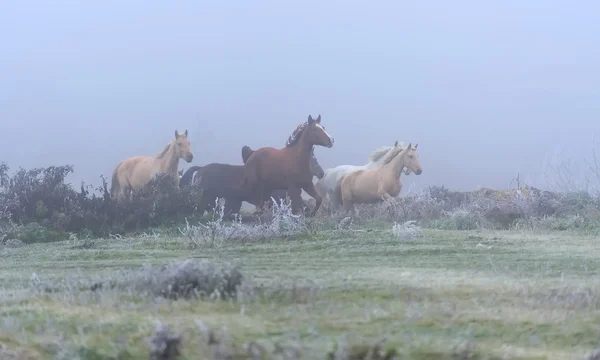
176,134
409,146
396,143
310,119
185,133
318,119
417,144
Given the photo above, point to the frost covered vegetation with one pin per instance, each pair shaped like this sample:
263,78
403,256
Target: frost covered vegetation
38,206
333,295
441,274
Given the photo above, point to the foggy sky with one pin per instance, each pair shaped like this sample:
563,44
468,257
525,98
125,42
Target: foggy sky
487,89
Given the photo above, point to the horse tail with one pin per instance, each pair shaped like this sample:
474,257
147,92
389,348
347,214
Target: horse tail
338,190
115,186
186,178
246,153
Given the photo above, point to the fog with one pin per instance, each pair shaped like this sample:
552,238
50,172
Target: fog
488,90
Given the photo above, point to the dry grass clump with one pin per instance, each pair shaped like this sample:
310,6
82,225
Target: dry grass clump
163,344
407,230
222,347
282,223
374,351
438,207
183,279
187,279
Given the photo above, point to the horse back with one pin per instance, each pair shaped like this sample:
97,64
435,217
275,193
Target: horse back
186,178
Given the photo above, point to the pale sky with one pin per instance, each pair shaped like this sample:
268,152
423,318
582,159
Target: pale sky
487,89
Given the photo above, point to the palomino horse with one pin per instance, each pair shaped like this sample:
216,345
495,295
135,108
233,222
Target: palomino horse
326,186
269,168
382,183
135,172
280,194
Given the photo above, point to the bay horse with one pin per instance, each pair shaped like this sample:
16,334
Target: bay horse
383,183
326,186
269,168
280,194
135,172
218,180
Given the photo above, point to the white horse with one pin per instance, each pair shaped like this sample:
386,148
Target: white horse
326,186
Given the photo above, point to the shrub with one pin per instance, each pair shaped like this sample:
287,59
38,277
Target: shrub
281,224
186,279
38,206
438,207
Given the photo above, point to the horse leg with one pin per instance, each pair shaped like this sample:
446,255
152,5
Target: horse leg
311,191
204,204
295,195
232,207
334,202
260,199
348,206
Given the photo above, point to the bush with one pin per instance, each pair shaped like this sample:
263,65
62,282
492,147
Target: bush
39,206
440,208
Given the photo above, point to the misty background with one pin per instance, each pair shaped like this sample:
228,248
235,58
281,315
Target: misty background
489,90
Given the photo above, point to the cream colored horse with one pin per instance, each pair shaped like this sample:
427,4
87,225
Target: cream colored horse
135,172
326,186
382,183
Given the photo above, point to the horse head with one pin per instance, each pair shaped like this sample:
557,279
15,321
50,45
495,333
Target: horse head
411,160
182,146
315,133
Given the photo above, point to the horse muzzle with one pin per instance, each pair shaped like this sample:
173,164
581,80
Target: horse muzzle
189,157
320,174
418,171
331,141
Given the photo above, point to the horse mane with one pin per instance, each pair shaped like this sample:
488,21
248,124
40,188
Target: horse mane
293,139
164,151
378,153
397,150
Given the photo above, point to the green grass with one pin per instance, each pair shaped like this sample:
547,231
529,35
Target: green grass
509,294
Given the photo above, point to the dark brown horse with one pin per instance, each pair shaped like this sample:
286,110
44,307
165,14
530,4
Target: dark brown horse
217,181
222,181
280,194
269,169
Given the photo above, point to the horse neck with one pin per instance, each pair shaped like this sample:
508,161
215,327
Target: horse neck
303,147
169,162
395,165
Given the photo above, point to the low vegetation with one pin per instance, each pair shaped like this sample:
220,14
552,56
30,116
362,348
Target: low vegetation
38,206
441,274
337,294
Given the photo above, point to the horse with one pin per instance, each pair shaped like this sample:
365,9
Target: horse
135,172
280,194
326,186
222,181
383,183
217,180
269,168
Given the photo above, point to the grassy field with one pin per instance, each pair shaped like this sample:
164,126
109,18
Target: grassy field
448,294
